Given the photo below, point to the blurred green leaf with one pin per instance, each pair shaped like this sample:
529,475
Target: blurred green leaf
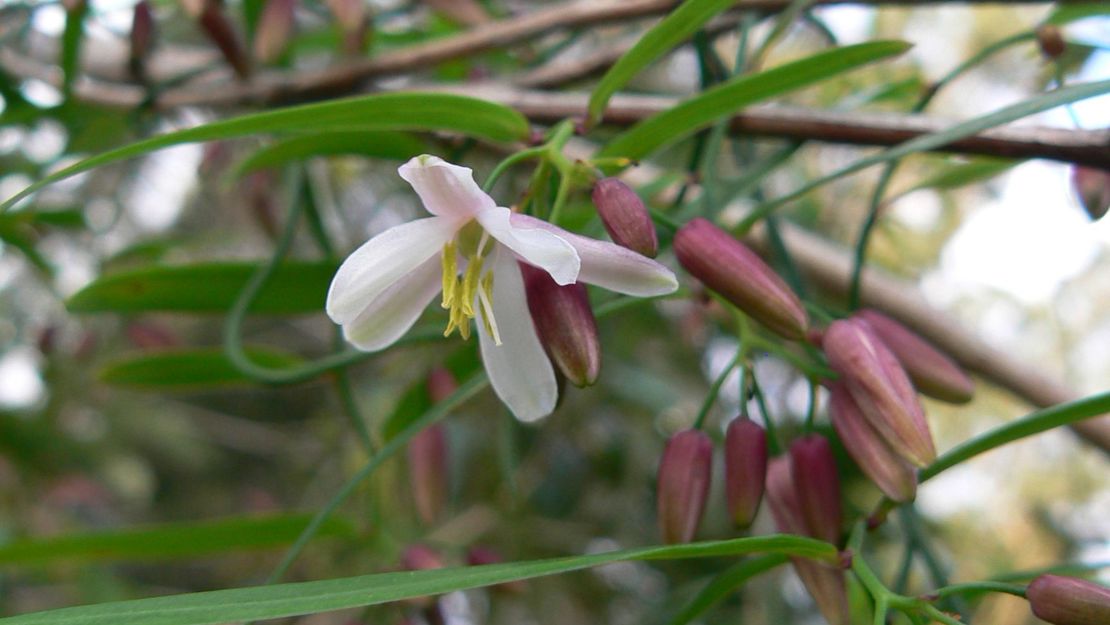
390,111
1074,12
956,174
189,368
279,600
724,585
414,402
375,144
295,288
702,110
170,540
71,44
671,31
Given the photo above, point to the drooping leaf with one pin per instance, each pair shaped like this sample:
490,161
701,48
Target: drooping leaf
295,288
169,541
188,369
375,144
702,110
672,30
390,111
280,600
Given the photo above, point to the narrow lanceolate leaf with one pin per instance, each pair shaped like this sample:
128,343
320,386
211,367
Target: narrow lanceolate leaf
386,144
674,29
726,99
295,288
953,175
281,600
188,369
724,585
391,111
169,541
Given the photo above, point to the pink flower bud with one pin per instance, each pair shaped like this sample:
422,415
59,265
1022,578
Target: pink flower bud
745,469
826,585
1092,186
142,36
1051,41
421,558
275,29
625,217
478,556
881,388
684,474
1069,601
932,372
441,383
817,486
428,473
726,266
221,32
353,23
893,475
565,324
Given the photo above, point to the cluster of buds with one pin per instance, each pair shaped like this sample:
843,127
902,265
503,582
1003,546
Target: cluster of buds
685,474
1069,601
729,268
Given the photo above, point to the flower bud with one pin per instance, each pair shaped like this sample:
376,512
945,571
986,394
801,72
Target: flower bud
428,473
353,23
1069,601
932,372
275,29
826,585
221,32
893,475
1092,187
420,558
565,324
478,556
142,38
441,383
881,388
625,217
683,487
745,469
817,486
728,267
1051,41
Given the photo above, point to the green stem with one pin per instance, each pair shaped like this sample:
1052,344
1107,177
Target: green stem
536,152
980,587
811,410
715,389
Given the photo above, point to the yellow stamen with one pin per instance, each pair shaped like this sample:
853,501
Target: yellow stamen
485,296
450,272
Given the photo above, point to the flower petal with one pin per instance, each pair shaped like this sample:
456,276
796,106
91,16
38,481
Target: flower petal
518,369
611,266
392,313
445,189
383,260
534,245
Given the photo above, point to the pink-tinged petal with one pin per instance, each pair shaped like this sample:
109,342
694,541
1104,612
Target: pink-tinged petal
383,260
390,315
519,371
445,189
611,266
534,245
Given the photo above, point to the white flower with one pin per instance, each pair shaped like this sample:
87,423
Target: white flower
469,250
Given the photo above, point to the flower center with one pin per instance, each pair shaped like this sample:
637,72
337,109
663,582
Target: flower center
461,291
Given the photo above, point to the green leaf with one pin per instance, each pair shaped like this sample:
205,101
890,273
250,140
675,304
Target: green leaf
671,31
725,584
375,144
955,174
295,288
413,404
390,111
1075,12
71,45
169,541
726,99
188,369
280,600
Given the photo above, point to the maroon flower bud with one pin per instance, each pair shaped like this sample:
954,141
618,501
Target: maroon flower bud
745,469
478,556
142,38
1092,186
421,558
817,486
893,475
1069,601
428,473
726,266
275,29
881,388
684,474
1051,41
625,217
932,372
565,324
221,32
353,23
151,336
441,383
826,585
